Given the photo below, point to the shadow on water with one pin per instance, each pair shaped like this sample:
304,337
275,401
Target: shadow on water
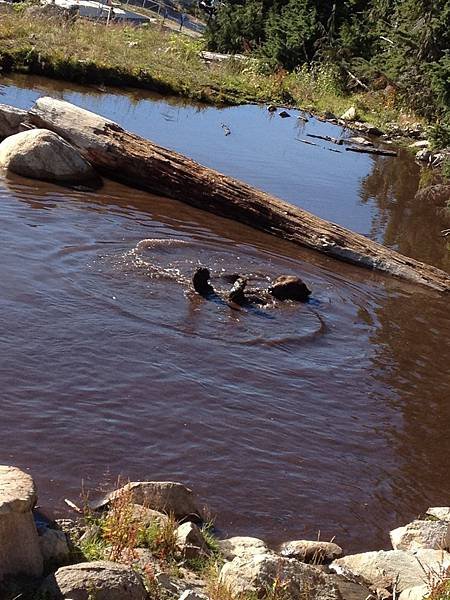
331,416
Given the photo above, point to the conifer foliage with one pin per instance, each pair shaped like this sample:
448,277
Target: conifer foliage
404,44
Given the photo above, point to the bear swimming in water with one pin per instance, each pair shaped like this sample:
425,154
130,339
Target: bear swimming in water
285,287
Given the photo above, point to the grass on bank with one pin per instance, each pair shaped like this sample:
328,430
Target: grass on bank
117,533
152,58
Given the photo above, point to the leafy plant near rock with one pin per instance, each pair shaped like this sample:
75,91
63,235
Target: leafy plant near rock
116,533
119,528
160,538
440,586
441,591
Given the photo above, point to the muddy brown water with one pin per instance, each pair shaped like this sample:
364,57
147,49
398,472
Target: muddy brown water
327,419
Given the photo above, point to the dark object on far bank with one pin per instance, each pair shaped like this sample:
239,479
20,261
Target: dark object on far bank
289,287
201,283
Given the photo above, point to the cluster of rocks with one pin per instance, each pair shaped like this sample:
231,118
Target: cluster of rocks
434,159
318,570
40,153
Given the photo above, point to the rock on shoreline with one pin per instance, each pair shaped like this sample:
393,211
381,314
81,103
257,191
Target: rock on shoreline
152,550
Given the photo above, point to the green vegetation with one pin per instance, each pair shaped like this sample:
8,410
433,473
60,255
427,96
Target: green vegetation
440,589
446,172
151,58
115,534
399,47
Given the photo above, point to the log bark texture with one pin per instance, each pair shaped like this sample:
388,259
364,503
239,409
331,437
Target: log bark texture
130,159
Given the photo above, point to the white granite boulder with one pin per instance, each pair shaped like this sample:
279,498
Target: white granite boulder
432,535
383,569
259,573
147,516
190,541
42,154
315,552
350,114
242,546
360,141
11,119
440,512
417,592
20,552
164,496
102,580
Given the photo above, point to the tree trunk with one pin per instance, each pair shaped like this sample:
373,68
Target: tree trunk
128,158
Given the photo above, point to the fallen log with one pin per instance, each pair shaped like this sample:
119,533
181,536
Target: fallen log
306,142
128,158
328,138
366,150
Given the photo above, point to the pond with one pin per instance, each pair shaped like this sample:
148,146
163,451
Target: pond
330,417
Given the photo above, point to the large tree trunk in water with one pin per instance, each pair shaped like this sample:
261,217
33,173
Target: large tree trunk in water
129,158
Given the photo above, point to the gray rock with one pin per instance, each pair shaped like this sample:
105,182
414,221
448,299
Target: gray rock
107,580
256,574
54,547
190,541
420,144
192,595
242,546
367,128
432,535
351,590
360,141
441,512
311,551
350,114
190,581
438,158
145,560
423,155
380,570
164,496
167,583
42,154
19,543
11,119
147,516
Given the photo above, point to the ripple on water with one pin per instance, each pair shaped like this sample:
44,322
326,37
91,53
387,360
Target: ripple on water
170,263
286,420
